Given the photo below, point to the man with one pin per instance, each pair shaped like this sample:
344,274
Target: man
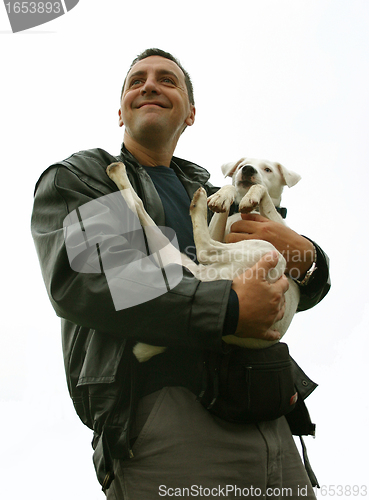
151,437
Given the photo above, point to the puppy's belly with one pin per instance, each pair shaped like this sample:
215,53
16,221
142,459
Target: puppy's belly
227,265
233,259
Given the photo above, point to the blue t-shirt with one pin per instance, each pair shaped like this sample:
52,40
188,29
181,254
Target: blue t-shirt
176,203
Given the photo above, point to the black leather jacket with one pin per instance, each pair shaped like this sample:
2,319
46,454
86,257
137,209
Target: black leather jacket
104,379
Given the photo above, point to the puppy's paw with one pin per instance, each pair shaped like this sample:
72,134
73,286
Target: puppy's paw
118,174
114,168
220,202
251,199
198,200
144,352
247,205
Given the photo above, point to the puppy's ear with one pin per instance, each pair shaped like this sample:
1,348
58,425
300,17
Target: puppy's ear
229,169
289,177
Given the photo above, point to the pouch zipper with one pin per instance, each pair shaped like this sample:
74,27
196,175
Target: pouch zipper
275,365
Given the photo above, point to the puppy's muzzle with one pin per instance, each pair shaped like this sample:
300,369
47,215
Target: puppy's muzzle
248,171
246,177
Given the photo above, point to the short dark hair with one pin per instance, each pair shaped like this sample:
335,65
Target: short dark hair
158,52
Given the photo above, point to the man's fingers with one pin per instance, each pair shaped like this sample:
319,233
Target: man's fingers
236,237
285,283
248,223
243,230
281,312
266,263
270,335
262,303
254,217
244,226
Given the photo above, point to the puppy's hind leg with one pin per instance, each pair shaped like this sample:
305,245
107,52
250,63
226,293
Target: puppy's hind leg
163,251
160,246
117,173
207,249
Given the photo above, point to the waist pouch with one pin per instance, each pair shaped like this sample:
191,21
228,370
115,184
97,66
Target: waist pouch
248,385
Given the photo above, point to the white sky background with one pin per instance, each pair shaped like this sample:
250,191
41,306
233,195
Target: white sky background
285,80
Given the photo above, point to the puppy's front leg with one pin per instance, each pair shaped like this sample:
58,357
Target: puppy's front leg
222,200
220,203
267,209
258,195
252,198
217,226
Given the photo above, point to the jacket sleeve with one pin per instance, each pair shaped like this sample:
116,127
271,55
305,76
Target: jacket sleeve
191,314
319,285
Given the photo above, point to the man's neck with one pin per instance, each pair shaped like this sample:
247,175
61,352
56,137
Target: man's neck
146,156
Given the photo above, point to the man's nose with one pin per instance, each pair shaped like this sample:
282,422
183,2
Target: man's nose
150,86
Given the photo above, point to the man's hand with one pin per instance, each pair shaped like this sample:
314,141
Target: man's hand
261,303
297,250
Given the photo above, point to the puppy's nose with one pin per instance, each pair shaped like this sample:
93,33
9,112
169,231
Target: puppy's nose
248,170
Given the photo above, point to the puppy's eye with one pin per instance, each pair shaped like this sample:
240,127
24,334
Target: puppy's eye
267,169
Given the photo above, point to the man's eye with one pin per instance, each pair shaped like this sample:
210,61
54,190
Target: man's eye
168,80
135,82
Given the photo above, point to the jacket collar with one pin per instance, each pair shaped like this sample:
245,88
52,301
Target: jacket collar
192,177
180,166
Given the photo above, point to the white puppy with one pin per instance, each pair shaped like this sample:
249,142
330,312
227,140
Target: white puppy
255,183
217,260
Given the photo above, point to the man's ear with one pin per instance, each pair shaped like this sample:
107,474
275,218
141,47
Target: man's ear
190,120
120,118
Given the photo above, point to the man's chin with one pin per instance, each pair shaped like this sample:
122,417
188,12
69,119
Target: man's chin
152,124
150,131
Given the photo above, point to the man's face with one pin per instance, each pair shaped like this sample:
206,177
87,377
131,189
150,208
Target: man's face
155,101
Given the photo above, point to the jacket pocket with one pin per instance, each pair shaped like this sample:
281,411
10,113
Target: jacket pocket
103,356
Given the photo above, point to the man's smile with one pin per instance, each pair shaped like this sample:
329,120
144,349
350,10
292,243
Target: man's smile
151,103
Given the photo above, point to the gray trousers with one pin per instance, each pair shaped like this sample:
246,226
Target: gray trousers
184,451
